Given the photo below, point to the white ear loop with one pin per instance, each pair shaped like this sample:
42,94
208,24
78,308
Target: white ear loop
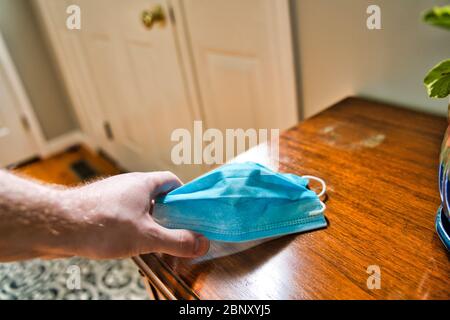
324,185
319,211
324,189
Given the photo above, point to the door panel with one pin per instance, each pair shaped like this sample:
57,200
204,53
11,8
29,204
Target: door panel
239,62
151,81
233,89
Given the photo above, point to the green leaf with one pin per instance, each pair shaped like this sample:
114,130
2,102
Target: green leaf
438,16
438,80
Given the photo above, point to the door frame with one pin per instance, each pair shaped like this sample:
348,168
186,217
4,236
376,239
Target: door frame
42,146
25,108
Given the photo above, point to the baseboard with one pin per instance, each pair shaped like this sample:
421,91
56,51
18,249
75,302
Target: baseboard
65,141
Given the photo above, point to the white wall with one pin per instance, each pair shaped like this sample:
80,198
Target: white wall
338,56
36,68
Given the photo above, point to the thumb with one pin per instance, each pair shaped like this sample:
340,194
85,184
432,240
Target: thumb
181,243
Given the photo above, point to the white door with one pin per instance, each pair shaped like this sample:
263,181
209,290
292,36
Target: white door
242,51
16,142
130,77
133,86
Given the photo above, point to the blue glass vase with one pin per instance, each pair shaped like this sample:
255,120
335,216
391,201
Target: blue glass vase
443,214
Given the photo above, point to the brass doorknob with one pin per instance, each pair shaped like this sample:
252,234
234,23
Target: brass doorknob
153,16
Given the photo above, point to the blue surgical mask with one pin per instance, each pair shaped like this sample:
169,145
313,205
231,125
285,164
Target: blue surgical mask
242,202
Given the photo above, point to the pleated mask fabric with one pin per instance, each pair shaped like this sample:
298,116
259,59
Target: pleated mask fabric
241,202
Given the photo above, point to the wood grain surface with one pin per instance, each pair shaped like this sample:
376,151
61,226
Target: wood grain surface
380,164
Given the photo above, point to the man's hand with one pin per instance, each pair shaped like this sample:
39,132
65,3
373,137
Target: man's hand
110,218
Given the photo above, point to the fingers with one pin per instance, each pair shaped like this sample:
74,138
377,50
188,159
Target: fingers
162,182
181,243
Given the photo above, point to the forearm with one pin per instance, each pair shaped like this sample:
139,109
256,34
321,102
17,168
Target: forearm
106,219
34,221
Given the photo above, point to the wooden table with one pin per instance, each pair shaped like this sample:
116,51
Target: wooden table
380,164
